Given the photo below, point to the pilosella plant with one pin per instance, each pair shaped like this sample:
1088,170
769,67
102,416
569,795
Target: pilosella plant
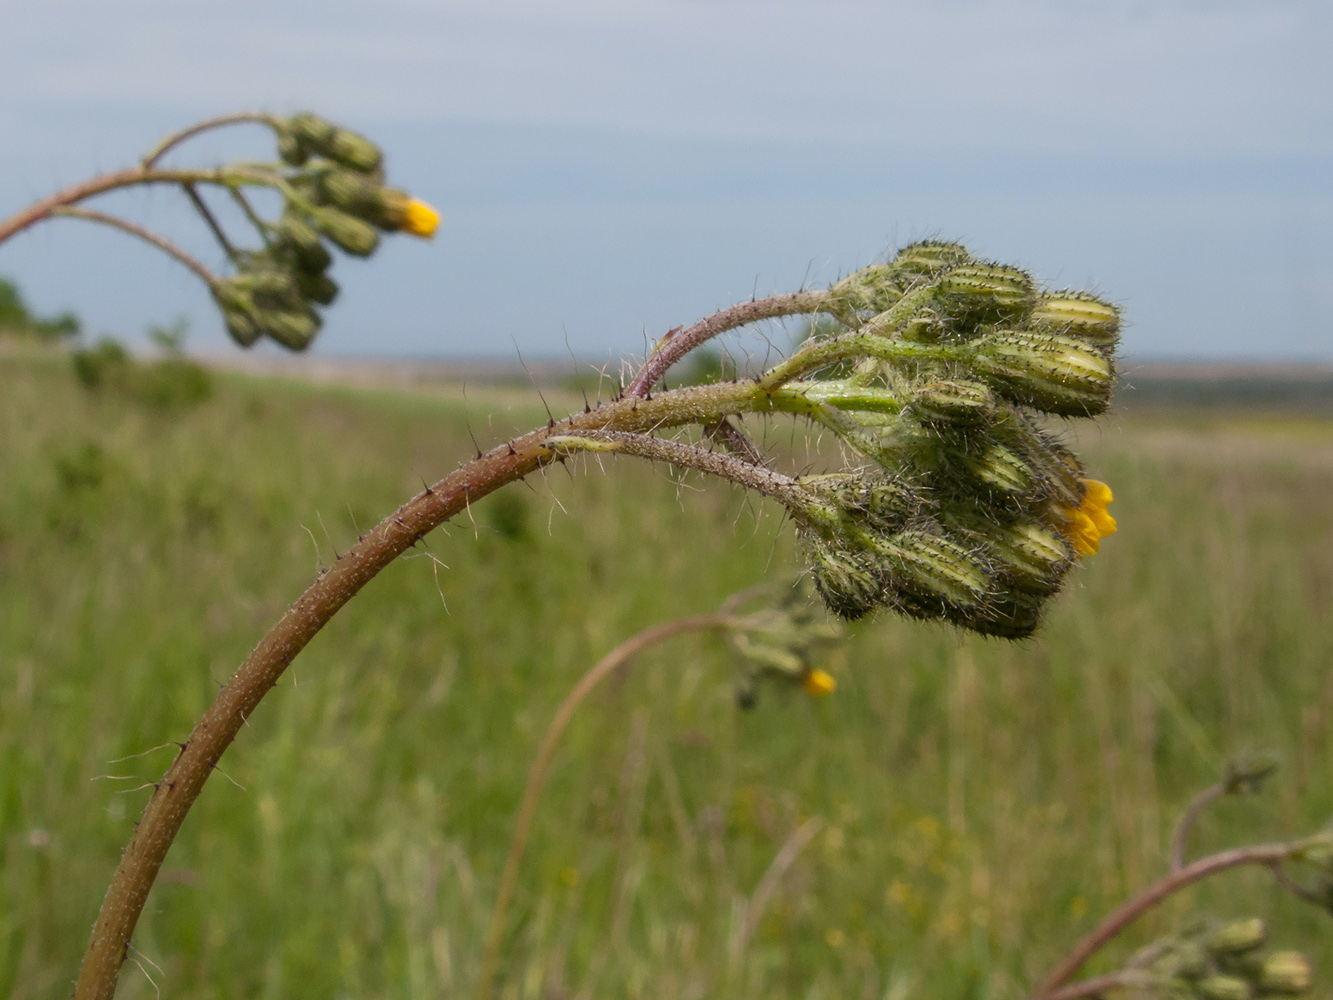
935,372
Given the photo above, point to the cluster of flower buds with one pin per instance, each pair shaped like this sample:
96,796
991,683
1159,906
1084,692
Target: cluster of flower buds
1212,961
783,642
333,193
968,510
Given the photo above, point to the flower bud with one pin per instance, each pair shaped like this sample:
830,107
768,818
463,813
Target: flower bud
1051,372
291,149
929,257
1285,972
818,683
925,327
871,289
848,579
290,328
354,193
999,467
1246,774
883,504
1012,615
992,290
1079,314
353,150
237,309
318,287
298,238
315,132
270,282
937,570
1237,937
1026,554
1220,987
954,402
351,234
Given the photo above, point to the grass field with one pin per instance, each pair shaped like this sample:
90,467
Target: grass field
983,803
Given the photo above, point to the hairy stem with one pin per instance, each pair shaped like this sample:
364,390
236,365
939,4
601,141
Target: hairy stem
184,780
148,235
129,177
1266,855
176,138
607,665
675,346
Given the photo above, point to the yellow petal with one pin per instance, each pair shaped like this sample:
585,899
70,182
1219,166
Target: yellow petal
421,220
1103,521
1097,492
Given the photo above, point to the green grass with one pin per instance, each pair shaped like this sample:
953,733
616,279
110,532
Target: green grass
984,802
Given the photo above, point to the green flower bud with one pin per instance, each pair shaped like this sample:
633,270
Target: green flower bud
849,580
351,234
871,289
1220,987
272,282
1051,372
237,307
353,150
291,149
937,570
241,327
299,239
883,504
952,402
1079,314
929,257
352,192
990,290
315,132
1285,972
1012,615
292,329
999,467
317,287
925,327
1026,554
1237,937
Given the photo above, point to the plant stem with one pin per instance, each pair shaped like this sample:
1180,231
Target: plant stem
675,346
1267,855
214,226
607,665
1180,841
135,229
184,780
176,138
128,177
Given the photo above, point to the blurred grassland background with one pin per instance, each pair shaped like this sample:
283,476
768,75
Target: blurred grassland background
983,803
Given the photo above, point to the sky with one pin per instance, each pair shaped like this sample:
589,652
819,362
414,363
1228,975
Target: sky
608,170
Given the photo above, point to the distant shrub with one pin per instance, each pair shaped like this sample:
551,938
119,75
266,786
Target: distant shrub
16,320
172,382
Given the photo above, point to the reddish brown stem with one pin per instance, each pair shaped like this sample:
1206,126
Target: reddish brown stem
606,666
1267,855
671,350
178,789
134,229
101,184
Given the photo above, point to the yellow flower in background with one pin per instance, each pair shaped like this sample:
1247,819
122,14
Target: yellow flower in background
420,220
1090,523
818,683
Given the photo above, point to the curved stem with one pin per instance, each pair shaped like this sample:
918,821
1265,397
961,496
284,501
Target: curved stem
128,177
1266,855
134,229
184,780
1180,841
606,666
675,346
176,138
